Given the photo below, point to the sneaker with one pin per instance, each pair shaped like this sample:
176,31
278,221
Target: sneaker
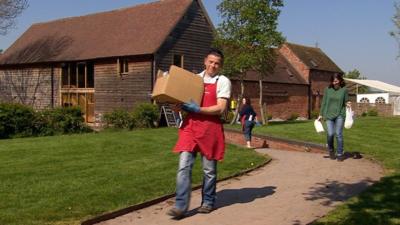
332,155
205,209
176,213
340,158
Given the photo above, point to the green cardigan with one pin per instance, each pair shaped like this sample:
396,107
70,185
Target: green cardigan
334,103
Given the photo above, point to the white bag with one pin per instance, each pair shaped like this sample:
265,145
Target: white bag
318,126
348,122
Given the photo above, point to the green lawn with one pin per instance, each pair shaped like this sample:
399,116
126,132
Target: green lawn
375,137
67,179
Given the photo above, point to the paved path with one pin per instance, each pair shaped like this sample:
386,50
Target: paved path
295,188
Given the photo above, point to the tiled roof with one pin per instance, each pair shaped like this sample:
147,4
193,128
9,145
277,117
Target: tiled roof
314,58
135,30
283,73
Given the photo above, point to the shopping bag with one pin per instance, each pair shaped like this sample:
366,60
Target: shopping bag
348,122
318,126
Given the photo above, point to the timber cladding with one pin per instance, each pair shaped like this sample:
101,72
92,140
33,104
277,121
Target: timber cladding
191,38
115,90
36,86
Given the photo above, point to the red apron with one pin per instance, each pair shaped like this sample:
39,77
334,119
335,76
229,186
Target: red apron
201,132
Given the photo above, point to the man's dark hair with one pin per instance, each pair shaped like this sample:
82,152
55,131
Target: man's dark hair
216,52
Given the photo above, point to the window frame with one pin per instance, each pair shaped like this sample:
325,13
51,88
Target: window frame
181,59
122,66
72,69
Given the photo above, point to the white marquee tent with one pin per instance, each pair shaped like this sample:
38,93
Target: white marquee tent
390,93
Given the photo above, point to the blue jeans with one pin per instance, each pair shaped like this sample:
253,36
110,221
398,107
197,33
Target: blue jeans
248,127
184,181
335,126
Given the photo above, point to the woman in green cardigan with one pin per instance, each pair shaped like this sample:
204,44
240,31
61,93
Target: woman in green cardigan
333,110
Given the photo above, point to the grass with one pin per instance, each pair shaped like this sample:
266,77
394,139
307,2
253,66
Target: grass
67,179
376,137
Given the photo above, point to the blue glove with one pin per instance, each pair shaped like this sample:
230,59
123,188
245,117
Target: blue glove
191,107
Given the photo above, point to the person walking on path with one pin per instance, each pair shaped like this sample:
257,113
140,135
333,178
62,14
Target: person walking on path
247,117
202,132
333,110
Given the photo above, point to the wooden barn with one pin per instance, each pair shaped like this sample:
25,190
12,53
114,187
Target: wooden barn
105,60
297,84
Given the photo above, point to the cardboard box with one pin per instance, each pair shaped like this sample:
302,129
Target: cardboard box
178,86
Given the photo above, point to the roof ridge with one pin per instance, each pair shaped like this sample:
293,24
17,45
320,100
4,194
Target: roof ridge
102,12
304,46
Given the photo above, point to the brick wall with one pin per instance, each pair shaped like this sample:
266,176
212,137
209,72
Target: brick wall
296,62
282,100
383,109
319,80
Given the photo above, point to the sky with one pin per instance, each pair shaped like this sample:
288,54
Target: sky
353,33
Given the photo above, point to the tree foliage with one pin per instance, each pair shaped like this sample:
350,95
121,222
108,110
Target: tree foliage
248,36
355,74
396,21
9,11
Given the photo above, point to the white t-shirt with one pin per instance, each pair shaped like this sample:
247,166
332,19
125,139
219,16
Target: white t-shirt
223,85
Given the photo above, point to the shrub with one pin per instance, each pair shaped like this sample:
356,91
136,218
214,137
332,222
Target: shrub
119,118
62,120
314,114
293,116
372,112
16,120
146,115
364,114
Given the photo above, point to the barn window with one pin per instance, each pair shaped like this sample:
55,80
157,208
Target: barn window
64,76
77,87
178,60
72,75
77,75
380,100
123,65
81,68
364,100
89,75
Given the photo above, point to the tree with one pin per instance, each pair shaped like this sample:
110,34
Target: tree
396,21
355,74
9,10
249,37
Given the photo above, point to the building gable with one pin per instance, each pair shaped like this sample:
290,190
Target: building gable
189,42
313,58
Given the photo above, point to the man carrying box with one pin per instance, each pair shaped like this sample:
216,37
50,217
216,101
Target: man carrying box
202,131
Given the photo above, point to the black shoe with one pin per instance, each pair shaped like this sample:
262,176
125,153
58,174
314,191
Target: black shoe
205,209
332,155
176,213
357,155
340,158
